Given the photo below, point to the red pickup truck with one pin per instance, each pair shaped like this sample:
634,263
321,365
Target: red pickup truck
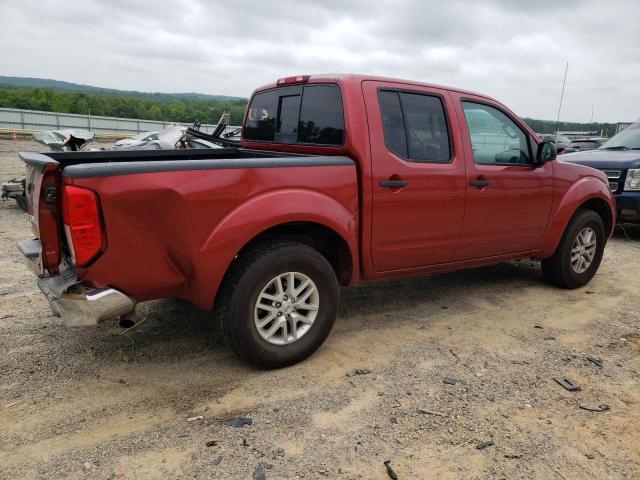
339,180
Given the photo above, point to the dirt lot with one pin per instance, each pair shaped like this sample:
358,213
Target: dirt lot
97,403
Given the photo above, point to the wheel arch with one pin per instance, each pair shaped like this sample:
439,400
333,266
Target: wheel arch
309,217
589,193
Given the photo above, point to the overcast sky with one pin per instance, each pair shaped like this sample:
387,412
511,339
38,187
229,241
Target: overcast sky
512,50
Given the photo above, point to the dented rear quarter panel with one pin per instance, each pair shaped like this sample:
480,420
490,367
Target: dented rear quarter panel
173,234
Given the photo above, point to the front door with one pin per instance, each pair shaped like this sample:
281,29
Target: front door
508,198
418,176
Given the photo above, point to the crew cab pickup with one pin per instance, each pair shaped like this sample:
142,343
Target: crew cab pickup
619,159
339,180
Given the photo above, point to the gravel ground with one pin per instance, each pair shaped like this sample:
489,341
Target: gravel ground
106,403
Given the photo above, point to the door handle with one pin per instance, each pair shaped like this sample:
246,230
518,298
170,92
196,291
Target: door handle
393,183
479,182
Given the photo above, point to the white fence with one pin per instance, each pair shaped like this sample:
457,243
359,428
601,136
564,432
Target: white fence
33,120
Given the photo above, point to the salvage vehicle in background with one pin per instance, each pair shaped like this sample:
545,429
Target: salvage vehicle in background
560,141
619,159
340,180
136,140
584,144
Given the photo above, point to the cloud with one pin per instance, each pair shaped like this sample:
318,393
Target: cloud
512,50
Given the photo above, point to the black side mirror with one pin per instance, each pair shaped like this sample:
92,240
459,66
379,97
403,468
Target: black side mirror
546,153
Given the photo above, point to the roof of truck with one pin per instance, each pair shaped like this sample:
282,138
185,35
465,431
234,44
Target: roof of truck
351,77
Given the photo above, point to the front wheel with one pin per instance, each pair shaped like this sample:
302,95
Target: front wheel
278,303
578,256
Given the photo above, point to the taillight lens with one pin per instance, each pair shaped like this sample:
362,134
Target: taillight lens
82,224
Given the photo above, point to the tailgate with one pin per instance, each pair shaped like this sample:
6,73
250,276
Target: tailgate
43,205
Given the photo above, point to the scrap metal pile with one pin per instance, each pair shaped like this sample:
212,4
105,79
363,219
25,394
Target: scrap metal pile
172,137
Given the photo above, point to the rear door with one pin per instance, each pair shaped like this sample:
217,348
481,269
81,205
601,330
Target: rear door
508,198
418,176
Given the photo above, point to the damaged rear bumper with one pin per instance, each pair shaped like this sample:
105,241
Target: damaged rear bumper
77,304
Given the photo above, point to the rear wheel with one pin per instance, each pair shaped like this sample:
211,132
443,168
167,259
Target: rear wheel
578,256
278,304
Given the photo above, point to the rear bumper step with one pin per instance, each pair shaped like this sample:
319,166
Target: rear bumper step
76,304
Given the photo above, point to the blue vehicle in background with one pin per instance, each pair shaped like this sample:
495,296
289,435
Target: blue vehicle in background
619,159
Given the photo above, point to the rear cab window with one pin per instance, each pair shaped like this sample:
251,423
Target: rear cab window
304,115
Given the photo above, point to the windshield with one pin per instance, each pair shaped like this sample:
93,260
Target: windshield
628,139
562,139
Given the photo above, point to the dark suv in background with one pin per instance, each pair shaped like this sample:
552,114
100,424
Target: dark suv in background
584,144
619,159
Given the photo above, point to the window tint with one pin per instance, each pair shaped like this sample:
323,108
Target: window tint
260,122
321,118
288,111
495,138
426,128
415,126
277,115
393,123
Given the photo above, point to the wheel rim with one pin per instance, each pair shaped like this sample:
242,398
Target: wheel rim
286,308
583,250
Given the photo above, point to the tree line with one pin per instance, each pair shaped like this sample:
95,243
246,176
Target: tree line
167,108
183,108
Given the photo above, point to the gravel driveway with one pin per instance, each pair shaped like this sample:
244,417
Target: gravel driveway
447,376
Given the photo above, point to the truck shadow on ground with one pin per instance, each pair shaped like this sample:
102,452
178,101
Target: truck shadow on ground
173,329
170,329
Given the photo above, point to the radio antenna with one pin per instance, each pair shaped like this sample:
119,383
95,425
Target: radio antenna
566,68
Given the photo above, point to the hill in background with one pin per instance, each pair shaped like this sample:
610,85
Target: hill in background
78,87
65,97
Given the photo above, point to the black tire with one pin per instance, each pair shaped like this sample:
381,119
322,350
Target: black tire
240,290
557,269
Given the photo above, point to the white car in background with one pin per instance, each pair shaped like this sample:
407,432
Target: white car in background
136,141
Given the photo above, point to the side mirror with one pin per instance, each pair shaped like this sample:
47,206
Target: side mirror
546,153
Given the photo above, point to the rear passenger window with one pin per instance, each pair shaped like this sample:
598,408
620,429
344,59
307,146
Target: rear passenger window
315,117
415,126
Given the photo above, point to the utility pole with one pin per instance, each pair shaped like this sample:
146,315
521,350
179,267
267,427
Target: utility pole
591,113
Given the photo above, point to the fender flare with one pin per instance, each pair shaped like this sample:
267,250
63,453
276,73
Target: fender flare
257,215
585,189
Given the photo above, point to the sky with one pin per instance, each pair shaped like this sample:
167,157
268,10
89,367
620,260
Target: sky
512,50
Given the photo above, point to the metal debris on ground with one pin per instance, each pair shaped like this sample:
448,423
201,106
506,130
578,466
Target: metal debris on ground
595,361
193,419
358,371
567,383
212,443
217,460
238,422
550,337
390,471
603,407
431,412
520,362
450,381
483,445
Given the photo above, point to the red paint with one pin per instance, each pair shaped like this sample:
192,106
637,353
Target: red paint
174,234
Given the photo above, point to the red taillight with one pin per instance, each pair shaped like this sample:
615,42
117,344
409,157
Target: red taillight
294,79
82,223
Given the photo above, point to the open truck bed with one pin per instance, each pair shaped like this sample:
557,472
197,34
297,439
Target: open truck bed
114,228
